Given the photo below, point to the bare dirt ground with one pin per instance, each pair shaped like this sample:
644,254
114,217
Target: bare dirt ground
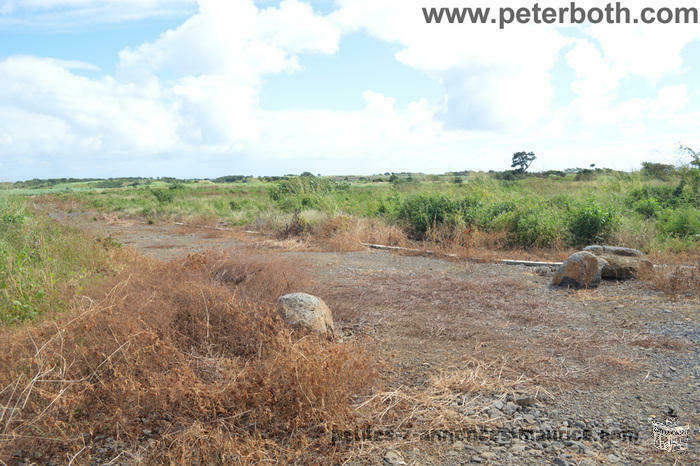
598,364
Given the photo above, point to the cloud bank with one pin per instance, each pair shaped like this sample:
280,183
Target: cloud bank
187,103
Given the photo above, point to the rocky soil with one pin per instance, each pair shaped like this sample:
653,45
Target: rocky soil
599,364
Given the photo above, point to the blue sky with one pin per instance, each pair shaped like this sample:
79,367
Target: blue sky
185,88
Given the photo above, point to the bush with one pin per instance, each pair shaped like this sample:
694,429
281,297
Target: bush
427,211
537,229
469,209
39,266
591,223
305,192
659,171
487,217
648,207
681,223
195,352
667,196
163,196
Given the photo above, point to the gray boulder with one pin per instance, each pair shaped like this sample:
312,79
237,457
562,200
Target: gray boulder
581,270
613,251
624,268
622,263
303,310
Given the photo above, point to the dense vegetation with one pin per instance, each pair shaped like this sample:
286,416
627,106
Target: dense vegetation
656,208
176,357
38,263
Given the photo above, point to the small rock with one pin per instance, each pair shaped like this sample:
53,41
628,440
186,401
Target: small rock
307,311
476,459
504,438
560,462
510,408
494,413
517,447
393,457
613,459
526,401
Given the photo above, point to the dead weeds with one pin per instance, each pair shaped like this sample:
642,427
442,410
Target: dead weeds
181,360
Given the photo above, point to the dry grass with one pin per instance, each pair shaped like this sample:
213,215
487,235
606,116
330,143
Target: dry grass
452,399
345,233
676,280
184,362
661,342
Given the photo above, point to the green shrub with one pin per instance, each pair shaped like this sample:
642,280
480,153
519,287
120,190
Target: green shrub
648,207
487,217
591,223
163,196
469,208
681,223
535,228
658,171
38,261
667,196
424,211
305,192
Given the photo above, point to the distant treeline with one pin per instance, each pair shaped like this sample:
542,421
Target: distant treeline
649,169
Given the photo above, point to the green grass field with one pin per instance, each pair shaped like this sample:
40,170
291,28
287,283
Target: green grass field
71,303
657,214
554,210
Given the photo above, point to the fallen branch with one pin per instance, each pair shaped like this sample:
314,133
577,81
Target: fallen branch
397,248
204,227
531,263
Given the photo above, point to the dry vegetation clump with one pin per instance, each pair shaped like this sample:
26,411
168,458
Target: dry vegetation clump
346,233
185,362
342,233
452,400
676,279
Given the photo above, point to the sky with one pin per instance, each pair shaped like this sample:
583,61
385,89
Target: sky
195,89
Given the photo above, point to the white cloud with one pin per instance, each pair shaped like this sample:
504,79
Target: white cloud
192,95
93,114
235,39
67,14
493,79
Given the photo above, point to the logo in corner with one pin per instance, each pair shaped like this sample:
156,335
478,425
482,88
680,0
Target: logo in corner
670,437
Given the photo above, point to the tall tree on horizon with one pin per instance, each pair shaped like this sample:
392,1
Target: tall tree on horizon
522,161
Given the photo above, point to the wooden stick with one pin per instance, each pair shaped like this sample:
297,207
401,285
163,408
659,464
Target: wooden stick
397,248
531,263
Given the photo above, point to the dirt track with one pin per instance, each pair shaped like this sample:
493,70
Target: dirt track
610,358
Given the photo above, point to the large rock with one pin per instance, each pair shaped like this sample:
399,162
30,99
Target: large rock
623,267
613,251
581,270
622,263
303,310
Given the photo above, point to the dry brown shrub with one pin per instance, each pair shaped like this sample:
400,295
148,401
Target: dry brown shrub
345,233
260,277
453,399
661,342
176,364
675,279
